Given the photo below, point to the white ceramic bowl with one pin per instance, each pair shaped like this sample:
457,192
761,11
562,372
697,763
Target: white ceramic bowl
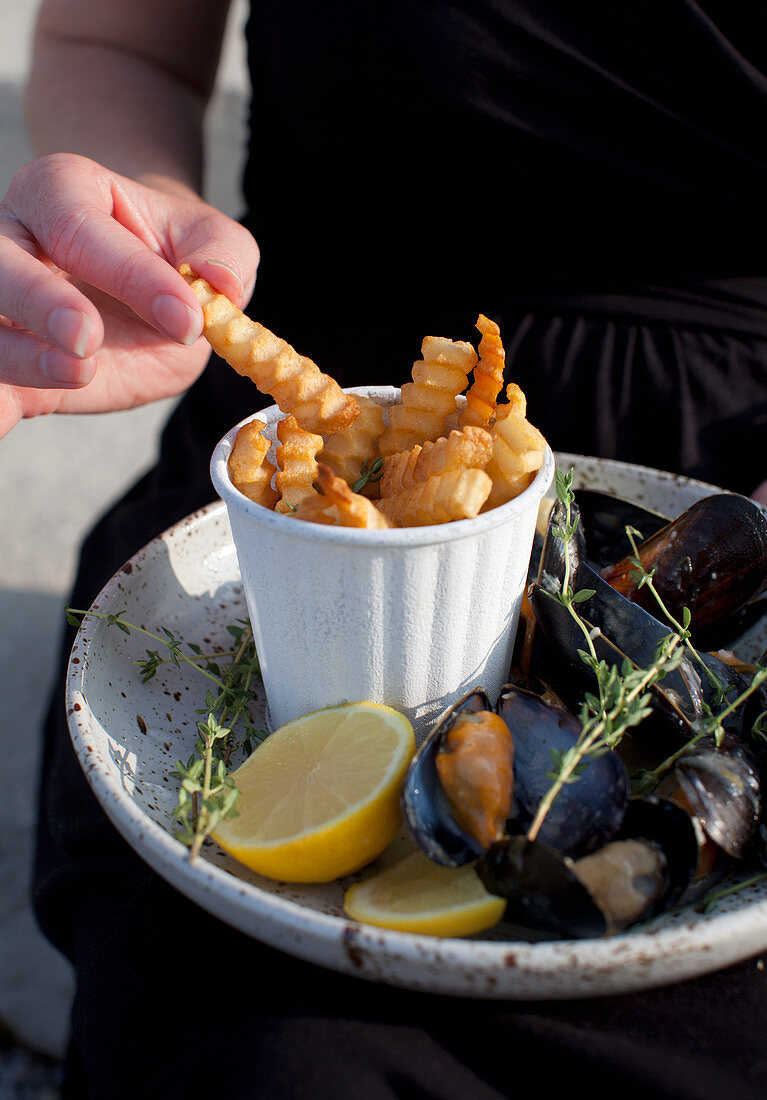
411,617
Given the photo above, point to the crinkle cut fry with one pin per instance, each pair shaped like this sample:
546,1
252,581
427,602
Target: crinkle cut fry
471,447
429,399
347,508
482,396
453,495
296,383
347,451
518,452
296,457
249,469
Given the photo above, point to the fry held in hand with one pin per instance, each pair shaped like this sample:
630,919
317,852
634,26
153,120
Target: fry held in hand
339,505
295,382
250,470
427,402
297,462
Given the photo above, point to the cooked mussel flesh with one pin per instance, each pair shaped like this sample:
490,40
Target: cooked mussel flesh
475,764
426,806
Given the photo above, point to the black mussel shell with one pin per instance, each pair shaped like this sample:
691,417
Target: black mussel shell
604,519
664,823
630,628
555,660
712,560
545,894
722,788
425,806
541,891
586,812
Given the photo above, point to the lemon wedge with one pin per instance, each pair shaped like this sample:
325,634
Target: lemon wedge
320,797
417,895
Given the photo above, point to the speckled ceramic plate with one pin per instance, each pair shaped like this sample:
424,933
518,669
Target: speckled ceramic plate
128,736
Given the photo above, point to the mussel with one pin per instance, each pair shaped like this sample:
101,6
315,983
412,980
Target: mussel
425,803
712,560
586,813
604,519
642,871
600,860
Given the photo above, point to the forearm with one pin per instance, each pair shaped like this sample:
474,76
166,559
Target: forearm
125,83
117,109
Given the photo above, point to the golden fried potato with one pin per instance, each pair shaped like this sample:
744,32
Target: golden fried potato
429,399
455,494
295,382
249,469
482,397
339,505
518,452
470,448
297,461
516,403
347,451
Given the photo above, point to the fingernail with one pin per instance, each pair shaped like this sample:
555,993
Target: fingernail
64,370
225,267
70,329
176,319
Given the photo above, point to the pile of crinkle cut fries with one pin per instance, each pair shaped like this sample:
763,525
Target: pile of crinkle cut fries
344,459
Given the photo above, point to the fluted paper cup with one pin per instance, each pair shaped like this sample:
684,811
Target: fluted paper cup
410,617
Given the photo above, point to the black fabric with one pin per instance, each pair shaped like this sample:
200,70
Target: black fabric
591,176
596,156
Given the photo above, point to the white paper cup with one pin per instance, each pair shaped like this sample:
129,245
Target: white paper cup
411,617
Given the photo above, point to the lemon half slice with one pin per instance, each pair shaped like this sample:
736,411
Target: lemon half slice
418,895
320,797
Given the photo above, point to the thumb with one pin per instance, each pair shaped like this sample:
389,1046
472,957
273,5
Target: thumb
222,252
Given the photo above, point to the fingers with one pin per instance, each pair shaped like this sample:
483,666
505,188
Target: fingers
27,361
75,210
66,212
222,252
40,301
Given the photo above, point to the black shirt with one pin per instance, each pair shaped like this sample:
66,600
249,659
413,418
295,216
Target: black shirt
605,155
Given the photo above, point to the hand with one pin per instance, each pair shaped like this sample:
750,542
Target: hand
94,316
760,493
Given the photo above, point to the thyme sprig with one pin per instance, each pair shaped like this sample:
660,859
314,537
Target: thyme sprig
207,793
371,471
623,695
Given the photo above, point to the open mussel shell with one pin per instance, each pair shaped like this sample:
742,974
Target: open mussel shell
554,659
424,803
585,813
540,888
712,560
604,519
721,785
640,873
667,825
631,629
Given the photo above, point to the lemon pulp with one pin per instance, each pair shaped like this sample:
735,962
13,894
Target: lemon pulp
417,895
320,797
